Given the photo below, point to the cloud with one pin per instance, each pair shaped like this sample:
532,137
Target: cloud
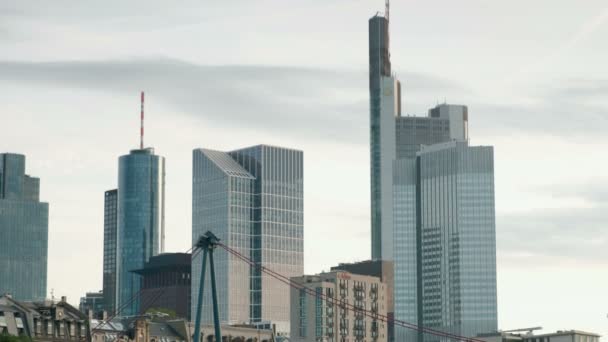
313,103
595,194
316,103
574,235
575,112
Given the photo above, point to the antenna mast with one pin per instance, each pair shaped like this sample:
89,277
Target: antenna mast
141,131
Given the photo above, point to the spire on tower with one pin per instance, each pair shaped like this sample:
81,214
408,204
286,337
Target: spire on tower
141,131
387,11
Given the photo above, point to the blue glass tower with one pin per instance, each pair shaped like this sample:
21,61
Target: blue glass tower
141,221
23,231
252,199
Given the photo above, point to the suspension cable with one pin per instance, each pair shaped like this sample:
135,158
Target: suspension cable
342,303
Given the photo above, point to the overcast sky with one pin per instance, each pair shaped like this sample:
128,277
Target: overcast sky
230,74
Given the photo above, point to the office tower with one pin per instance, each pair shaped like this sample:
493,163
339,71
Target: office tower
385,271
110,229
252,199
444,123
316,319
24,228
92,301
166,284
385,105
445,237
141,221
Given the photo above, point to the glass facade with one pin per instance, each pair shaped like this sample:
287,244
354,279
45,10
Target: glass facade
23,232
446,237
222,202
110,229
380,158
412,132
141,221
405,263
252,199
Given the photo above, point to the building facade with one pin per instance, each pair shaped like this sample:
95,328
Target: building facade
166,284
24,227
141,221
110,229
153,328
385,105
42,320
384,270
92,301
445,275
324,317
558,336
252,199
445,122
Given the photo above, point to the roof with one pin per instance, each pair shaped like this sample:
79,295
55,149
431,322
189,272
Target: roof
164,261
225,163
564,332
113,325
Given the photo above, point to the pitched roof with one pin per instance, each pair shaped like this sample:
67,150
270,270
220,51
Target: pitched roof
225,163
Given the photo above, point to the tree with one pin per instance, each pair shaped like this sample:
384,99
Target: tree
11,338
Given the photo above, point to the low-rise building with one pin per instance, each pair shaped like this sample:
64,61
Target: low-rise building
382,269
42,321
346,307
166,284
558,336
150,328
564,336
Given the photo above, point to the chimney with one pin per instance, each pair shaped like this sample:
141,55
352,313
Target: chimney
104,315
64,299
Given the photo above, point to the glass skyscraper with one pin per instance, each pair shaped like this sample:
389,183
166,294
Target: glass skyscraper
110,229
252,199
141,221
445,238
24,227
385,105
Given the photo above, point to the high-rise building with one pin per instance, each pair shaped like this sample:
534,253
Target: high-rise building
252,199
315,318
393,136
141,221
92,301
445,238
385,105
24,228
110,229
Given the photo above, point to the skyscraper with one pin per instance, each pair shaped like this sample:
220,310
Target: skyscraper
24,228
110,229
141,221
385,105
432,206
445,238
252,199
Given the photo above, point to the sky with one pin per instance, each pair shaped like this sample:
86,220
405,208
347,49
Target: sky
230,74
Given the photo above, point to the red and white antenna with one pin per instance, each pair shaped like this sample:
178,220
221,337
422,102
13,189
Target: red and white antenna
141,131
